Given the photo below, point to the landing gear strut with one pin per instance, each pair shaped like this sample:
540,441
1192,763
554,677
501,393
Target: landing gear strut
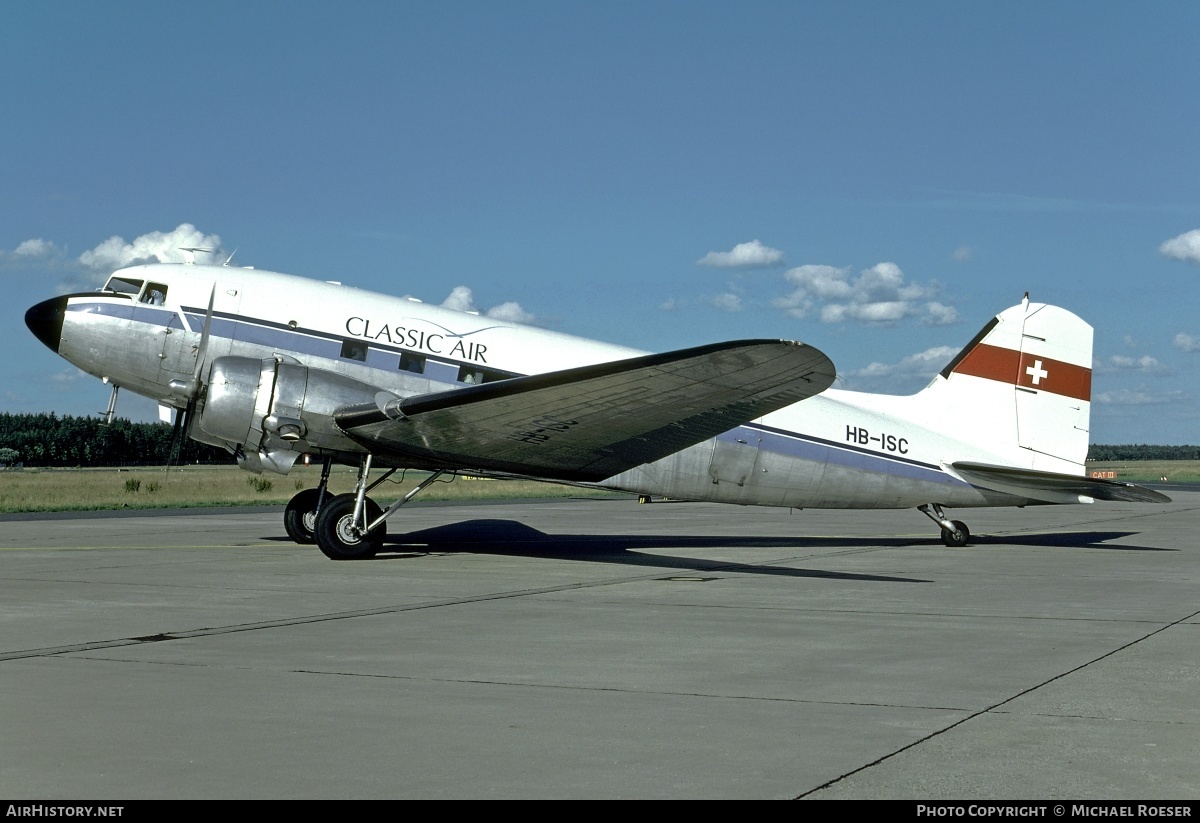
954,532
352,526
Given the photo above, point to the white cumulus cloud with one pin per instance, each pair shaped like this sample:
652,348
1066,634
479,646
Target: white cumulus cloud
459,299
1186,342
510,312
72,376
153,247
34,257
752,255
36,247
1137,397
462,299
878,295
939,314
885,311
908,374
1145,363
1184,247
726,302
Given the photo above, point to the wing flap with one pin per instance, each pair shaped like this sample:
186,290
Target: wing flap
1051,487
589,423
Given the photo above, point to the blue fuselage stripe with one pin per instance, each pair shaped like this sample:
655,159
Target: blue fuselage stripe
806,447
305,341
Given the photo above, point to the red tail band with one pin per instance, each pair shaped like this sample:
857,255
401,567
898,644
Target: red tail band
1028,371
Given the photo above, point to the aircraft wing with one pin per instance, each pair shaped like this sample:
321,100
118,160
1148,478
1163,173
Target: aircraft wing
589,423
1051,487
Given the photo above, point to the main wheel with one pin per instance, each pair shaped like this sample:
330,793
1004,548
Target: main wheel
958,536
334,533
300,516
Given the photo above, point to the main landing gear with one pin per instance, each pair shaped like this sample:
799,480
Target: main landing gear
344,526
954,532
300,516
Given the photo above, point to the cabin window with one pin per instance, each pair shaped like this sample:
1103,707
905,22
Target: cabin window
414,363
354,350
155,294
121,285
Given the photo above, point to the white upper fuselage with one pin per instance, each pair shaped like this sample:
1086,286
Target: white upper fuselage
834,450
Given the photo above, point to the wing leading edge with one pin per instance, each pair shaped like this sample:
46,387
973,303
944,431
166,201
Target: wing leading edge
589,423
1052,487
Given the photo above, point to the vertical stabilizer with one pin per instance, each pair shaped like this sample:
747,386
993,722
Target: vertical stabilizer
1028,375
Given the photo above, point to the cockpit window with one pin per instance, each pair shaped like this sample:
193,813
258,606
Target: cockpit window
155,294
121,285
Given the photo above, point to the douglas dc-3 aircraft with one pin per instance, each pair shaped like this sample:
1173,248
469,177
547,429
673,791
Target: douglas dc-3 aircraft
272,366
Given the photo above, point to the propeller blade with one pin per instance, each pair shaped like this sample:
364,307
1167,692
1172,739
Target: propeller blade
201,350
173,449
183,416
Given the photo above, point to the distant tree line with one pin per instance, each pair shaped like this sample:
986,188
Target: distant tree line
1143,452
47,440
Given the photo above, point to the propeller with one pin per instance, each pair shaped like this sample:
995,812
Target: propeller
183,418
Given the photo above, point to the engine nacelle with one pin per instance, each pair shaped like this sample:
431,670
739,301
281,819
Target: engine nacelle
268,412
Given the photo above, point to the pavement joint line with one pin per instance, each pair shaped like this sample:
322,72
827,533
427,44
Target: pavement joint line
658,574
992,709
51,651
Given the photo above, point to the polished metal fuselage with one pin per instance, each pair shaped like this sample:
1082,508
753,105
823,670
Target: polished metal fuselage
835,450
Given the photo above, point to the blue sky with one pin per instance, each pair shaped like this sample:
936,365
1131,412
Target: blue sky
874,178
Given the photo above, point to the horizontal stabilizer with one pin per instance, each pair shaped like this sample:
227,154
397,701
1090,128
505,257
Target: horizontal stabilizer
1051,487
589,423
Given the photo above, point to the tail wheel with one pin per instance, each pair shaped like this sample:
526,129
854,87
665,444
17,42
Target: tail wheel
958,536
335,533
300,516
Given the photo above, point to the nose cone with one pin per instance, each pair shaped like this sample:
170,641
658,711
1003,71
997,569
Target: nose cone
45,320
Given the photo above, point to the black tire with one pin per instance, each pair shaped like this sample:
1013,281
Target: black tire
957,537
333,535
300,516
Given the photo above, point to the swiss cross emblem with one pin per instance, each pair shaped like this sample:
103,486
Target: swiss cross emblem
1036,372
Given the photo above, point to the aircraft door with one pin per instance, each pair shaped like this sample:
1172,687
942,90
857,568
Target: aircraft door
735,458
178,356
